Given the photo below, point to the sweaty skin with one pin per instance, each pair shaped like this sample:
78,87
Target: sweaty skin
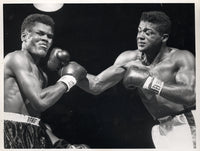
25,86
25,90
176,68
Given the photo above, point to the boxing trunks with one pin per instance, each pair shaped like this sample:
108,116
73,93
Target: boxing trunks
177,131
22,131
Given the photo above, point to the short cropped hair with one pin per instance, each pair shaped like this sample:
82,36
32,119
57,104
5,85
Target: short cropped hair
30,21
160,18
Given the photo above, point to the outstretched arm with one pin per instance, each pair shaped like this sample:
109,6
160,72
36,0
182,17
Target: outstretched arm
103,81
96,84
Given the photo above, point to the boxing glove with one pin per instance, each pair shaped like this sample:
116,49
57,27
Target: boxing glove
71,74
139,77
57,59
135,77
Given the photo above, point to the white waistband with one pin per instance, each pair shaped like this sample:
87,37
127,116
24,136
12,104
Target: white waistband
177,119
21,118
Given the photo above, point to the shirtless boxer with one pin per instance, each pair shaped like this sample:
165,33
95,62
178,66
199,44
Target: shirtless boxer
26,94
164,78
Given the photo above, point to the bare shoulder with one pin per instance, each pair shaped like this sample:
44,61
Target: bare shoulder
14,56
182,53
15,59
126,56
183,57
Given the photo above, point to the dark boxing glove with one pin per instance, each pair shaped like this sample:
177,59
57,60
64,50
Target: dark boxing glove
57,59
135,77
71,74
138,77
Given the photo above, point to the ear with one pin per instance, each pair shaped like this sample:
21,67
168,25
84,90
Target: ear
165,37
24,35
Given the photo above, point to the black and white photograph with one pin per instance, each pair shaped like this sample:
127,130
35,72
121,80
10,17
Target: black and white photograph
107,75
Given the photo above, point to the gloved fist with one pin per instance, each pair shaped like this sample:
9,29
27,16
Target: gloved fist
57,59
71,74
140,77
135,77
74,69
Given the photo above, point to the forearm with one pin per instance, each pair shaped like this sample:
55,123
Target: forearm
179,94
105,80
49,96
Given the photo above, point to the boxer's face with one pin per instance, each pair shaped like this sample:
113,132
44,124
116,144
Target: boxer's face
148,38
39,39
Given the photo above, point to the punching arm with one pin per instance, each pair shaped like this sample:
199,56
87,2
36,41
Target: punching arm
103,81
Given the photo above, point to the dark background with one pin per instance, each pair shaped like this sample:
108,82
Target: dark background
95,34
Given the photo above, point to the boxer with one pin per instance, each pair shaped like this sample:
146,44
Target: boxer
164,77
26,94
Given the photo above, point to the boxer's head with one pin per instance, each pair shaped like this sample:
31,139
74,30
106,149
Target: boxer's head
153,30
37,32
160,19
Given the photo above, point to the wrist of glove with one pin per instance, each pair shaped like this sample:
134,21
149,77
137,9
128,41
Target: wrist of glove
153,84
69,81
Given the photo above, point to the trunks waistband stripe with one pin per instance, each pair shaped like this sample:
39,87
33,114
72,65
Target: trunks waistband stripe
182,118
21,118
178,118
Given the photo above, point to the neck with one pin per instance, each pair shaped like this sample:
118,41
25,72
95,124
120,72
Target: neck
161,55
156,53
34,59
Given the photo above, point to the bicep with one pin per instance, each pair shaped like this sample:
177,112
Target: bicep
186,77
28,84
186,72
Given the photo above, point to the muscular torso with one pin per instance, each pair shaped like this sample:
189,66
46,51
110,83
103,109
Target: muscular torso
164,70
14,99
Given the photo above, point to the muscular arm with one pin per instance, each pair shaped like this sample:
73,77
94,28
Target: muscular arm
103,81
30,86
183,92
107,78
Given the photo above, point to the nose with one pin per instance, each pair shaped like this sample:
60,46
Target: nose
140,35
44,37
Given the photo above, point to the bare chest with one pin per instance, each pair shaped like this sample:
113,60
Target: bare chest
39,75
157,105
165,70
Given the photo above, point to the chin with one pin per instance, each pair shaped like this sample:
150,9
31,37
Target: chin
42,56
42,53
141,49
